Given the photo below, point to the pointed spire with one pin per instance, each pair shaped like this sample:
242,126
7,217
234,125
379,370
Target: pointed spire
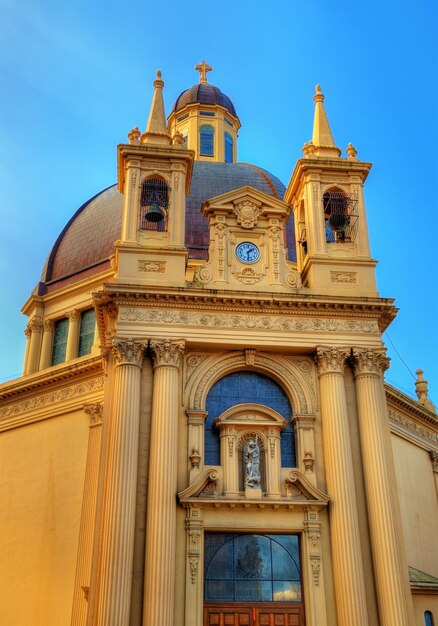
156,130
322,138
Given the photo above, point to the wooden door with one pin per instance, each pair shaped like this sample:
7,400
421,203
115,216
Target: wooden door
258,614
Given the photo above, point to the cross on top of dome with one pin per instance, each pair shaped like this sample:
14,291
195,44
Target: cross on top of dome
203,68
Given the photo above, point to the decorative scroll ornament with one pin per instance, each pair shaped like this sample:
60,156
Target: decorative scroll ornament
369,361
247,213
128,352
331,360
167,352
293,279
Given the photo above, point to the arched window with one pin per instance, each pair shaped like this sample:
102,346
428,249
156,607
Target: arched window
154,204
206,140
428,618
228,139
252,568
247,387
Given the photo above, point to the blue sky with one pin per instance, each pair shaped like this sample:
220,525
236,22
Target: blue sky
76,77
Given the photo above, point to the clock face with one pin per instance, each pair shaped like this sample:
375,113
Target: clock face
247,252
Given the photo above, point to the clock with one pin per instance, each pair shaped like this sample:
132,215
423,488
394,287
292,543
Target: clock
247,252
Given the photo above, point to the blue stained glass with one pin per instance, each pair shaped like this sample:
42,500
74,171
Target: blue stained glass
228,139
247,387
250,567
60,341
428,619
206,140
86,333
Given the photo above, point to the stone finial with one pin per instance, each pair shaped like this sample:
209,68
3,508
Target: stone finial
203,68
351,151
322,138
421,389
156,129
134,135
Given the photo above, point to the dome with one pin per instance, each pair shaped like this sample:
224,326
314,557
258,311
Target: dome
204,93
86,243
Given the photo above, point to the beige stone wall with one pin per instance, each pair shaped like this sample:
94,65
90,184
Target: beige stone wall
422,603
419,507
42,469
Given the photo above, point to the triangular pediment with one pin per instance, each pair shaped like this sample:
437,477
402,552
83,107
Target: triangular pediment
249,196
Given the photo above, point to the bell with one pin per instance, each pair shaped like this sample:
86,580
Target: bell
338,221
154,213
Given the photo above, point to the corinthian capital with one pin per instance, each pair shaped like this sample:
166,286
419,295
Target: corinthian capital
128,351
35,325
94,412
74,315
331,360
367,361
167,352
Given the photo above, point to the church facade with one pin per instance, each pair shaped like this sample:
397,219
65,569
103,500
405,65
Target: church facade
202,434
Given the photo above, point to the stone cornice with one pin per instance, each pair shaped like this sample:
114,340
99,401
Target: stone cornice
301,304
50,377
410,406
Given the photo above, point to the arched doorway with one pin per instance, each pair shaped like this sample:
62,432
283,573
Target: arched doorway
252,580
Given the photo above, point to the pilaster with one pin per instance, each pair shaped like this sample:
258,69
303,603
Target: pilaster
344,525
162,489
118,525
28,334
86,530
74,318
35,326
196,425
391,571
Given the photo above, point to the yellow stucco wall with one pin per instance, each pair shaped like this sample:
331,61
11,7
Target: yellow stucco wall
419,509
41,483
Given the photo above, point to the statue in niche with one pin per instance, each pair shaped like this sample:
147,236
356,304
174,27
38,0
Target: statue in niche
251,461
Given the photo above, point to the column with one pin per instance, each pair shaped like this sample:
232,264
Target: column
390,566
118,523
73,335
162,485
344,524
86,530
35,326
28,334
46,347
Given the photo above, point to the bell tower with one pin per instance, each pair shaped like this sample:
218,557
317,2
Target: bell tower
326,191
154,176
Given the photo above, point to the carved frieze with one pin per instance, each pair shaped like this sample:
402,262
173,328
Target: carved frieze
429,436
344,277
50,398
268,322
158,267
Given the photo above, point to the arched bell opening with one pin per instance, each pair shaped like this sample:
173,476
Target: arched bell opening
154,204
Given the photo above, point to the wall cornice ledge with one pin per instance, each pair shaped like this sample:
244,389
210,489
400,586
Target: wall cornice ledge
51,377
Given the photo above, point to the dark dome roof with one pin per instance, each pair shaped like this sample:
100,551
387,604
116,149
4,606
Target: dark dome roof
87,241
204,93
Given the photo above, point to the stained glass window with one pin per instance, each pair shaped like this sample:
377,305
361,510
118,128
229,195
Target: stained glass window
86,333
257,568
60,341
228,147
428,618
247,387
206,140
